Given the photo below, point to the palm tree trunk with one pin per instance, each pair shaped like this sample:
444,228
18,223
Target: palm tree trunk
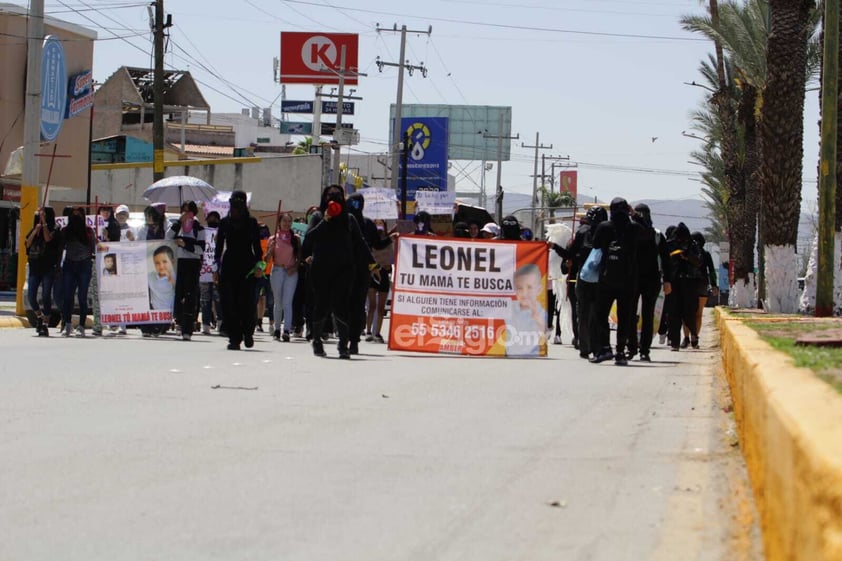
781,136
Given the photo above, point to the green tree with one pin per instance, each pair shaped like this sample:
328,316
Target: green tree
303,147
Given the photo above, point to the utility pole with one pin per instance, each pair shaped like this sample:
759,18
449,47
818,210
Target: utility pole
30,181
557,162
500,136
340,98
827,176
158,91
400,65
535,175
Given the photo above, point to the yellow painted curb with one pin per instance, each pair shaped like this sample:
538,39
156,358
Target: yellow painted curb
13,321
790,425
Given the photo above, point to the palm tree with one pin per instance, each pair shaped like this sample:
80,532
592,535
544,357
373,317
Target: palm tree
303,147
781,136
554,200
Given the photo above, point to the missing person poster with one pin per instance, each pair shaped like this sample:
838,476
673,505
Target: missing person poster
136,281
470,297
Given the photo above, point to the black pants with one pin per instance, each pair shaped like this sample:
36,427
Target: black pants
359,294
237,295
647,293
301,301
187,293
685,302
586,302
571,296
607,296
332,294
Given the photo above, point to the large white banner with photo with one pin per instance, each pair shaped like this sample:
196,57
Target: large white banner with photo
136,282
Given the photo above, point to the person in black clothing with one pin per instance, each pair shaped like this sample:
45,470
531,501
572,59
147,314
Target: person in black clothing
189,237
651,254
685,267
237,254
618,238
510,229
43,253
584,295
335,250
362,278
302,302
709,284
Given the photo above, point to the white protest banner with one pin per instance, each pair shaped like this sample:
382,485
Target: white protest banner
136,281
435,202
481,298
206,272
380,203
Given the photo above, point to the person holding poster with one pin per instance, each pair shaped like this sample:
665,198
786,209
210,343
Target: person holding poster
189,236
154,229
525,326
238,252
209,291
78,241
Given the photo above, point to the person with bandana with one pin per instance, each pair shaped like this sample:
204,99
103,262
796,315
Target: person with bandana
334,248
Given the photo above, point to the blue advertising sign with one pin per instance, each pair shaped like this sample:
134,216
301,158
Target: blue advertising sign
330,107
291,127
293,106
80,93
53,88
427,161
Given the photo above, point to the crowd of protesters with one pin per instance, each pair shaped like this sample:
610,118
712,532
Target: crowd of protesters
336,280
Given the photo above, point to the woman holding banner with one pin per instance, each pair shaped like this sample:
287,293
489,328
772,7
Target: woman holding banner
189,236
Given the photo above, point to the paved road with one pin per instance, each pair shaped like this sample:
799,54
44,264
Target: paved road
120,449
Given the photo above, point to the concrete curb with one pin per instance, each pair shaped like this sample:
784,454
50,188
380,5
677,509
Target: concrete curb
790,426
13,321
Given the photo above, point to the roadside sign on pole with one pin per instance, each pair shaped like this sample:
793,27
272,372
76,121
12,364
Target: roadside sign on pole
329,128
330,107
289,127
305,56
296,106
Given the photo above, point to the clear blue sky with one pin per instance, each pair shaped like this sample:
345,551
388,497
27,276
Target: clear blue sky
599,79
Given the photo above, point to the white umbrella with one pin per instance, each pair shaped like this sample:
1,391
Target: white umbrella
179,188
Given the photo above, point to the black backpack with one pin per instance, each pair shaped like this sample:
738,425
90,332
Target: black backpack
616,269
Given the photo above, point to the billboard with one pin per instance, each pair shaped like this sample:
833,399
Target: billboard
296,127
568,181
426,168
309,58
470,128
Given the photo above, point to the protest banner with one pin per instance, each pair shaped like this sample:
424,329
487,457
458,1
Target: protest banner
380,203
435,202
136,282
477,297
206,272
94,221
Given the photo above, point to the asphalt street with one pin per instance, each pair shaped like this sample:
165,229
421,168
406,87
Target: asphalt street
126,448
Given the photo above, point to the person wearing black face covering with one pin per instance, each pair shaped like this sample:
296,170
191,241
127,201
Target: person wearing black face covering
653,263
618,238
362,278
335,250
685,264
209,291
237,254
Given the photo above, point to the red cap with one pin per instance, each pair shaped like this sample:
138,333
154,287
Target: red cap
334,209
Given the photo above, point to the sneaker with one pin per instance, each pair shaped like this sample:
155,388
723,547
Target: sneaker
186,336
674,348
66,331
685,343
694,343
259,329
369,337
285,337
630,353
233,346
602,357
44,331
557,340
583,354
206,330
318,348
378,339
620,360
353,348
248,339
662,339
276,335
80,332
94,332
644,357
344,354
121,330
297,333
146,334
